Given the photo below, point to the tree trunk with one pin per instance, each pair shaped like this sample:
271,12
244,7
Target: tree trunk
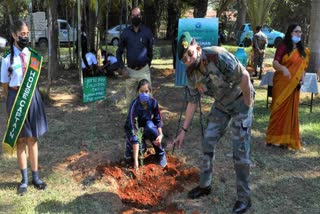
74,36
173,18
92,21
9,15
53,43
84,17
314,64
200,10
242,11
79,54
152,16
69,44
107,22
241,18
135,4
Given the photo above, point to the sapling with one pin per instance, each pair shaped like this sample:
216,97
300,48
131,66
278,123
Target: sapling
139,135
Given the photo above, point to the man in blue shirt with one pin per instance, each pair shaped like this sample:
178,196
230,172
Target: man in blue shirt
138,40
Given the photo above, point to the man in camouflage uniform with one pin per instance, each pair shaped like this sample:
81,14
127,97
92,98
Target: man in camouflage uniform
217,73
260,43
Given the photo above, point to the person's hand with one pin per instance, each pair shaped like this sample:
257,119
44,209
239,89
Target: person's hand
262,51
286,72
248,101
158,140
179,139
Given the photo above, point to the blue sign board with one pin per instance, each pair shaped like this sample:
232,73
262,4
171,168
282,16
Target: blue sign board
205,32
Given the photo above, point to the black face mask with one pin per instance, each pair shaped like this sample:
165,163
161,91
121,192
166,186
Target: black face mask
23,42
136,21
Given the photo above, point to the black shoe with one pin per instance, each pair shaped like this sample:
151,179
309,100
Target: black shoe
21,189
39,186
241,207
198,192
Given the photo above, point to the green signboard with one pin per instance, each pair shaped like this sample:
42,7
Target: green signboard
94,88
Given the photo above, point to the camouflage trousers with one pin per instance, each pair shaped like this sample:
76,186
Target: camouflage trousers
258,61
240,124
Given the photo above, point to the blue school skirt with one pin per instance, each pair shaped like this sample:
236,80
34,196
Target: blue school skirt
35,124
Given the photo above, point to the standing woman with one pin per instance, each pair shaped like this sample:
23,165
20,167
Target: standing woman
290,61
20,70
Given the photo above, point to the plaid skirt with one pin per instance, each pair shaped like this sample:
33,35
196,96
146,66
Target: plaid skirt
35,124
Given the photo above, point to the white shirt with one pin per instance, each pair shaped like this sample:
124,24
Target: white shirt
15,79
91,59
112,59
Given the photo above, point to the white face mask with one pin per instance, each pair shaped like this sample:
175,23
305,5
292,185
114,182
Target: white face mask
296,39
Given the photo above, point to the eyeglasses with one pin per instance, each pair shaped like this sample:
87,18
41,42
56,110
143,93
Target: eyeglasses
189,53
297,31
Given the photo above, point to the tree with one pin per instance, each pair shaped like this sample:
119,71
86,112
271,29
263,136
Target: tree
38,5
200,8
241,15
153,10
89,19
314,64
283,13
11,10
221,6
53,42
135,3
174,12
258,11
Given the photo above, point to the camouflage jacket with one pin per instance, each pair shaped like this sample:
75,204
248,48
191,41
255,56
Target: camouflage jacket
218,76
260,41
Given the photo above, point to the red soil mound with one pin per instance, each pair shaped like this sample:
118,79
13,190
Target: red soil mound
151,184
149,187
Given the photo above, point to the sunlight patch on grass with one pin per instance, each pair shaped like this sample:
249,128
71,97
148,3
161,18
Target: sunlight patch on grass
162,63
169,85
309,154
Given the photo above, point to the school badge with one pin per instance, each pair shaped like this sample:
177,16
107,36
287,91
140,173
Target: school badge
35,64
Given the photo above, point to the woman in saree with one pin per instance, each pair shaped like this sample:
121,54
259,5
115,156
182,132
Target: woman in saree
290,62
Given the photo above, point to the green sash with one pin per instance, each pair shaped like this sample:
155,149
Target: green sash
22,102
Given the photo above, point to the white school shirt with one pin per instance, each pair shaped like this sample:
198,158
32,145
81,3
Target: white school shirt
15,79
112,59
91,59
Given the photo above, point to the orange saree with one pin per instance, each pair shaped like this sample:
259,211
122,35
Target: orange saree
284,121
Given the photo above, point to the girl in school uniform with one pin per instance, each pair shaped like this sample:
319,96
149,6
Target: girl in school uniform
144,112
13,67
89,63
